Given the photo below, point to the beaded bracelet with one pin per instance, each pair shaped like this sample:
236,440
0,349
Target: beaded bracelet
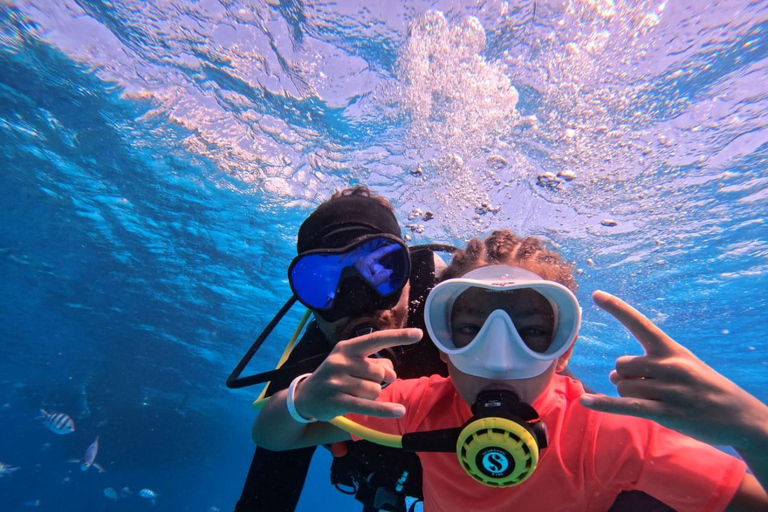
290,403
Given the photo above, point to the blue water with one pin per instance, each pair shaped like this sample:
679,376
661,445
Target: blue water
144,243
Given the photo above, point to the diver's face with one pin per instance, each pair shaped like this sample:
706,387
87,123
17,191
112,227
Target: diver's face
347,327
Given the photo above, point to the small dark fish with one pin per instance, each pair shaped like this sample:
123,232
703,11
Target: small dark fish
57,422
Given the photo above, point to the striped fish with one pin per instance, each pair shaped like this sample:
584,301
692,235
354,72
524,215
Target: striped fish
57,422
111,493
149,494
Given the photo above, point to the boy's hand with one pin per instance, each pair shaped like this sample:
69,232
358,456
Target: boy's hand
370,268
350,381
671,386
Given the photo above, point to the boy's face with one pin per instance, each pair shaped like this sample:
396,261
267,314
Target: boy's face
530,311
533,318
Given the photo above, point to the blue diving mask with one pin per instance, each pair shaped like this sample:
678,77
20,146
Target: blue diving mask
365,275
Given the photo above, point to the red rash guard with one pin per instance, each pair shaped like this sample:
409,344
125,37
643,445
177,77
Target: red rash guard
591,457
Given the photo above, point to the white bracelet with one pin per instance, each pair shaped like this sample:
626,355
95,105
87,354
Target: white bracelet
290,403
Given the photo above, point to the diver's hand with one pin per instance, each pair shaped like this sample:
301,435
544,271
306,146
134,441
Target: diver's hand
671,386
350,381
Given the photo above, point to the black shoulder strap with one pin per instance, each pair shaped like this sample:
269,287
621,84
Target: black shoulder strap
275,479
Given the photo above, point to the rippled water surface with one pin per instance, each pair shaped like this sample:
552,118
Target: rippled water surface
157,158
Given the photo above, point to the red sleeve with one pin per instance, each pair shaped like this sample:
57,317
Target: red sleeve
684,473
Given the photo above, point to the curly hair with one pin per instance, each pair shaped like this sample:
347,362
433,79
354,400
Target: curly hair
504,247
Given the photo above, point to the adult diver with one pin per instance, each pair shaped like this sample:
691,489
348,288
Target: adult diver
356,275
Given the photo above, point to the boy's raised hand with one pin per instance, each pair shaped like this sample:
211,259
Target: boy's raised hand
671,386
350,380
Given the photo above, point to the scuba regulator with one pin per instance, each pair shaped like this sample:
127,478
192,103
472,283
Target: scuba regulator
498,446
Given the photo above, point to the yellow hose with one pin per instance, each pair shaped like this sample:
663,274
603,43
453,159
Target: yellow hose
286,353
374,436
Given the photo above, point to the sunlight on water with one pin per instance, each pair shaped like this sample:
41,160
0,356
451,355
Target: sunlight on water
611,114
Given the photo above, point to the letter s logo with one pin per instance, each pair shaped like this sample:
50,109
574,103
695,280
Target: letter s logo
495,462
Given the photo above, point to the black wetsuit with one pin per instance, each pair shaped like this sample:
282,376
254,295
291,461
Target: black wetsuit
276,479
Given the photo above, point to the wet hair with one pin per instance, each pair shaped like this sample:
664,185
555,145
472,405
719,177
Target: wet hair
505,248
361,191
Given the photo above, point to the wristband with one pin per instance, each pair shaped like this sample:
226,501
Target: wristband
290,403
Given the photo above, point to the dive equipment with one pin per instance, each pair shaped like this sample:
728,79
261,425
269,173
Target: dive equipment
498,446
235,381
335,223
366,274
498,351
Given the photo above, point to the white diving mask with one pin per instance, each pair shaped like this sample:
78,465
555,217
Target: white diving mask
502,322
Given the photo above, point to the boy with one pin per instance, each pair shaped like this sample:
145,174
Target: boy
514,337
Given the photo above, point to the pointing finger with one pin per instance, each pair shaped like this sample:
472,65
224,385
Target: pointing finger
653,339
384,250
369,344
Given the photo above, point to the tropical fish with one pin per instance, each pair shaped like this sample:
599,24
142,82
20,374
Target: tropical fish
149,494
125,492
57,422
111,493
89,458
7,469
32,503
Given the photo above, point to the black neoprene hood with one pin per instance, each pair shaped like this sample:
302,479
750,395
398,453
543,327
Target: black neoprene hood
338,222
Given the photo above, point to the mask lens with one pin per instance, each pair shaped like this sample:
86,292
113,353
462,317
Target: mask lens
530,311
382,263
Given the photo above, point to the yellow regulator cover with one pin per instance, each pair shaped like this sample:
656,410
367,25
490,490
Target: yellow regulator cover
497,452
